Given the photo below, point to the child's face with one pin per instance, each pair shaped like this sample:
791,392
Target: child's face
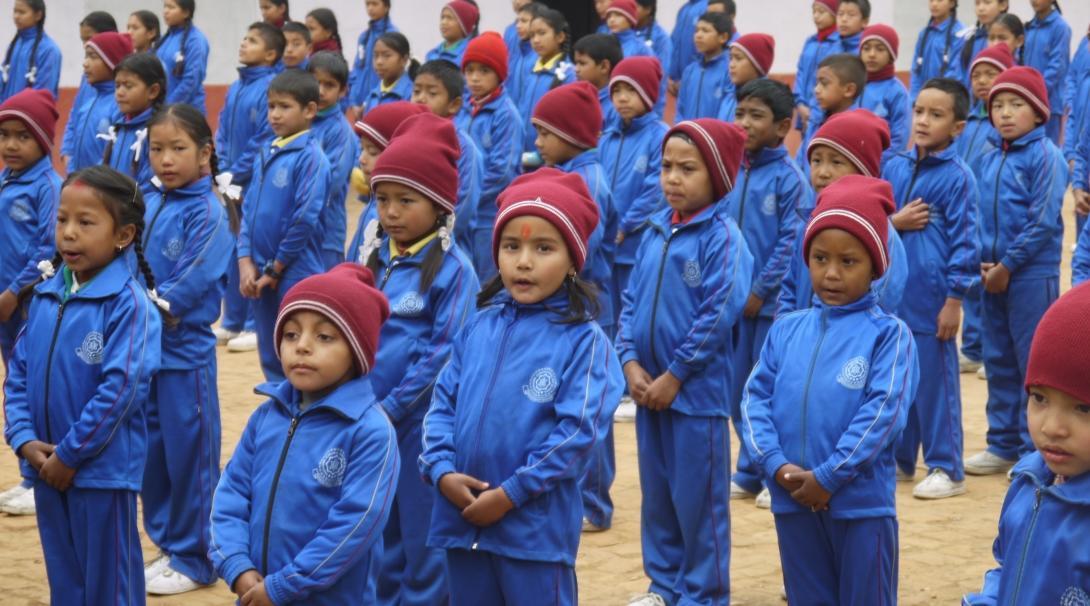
369,152
330,90
1060,428
481,80
823,17
18,148
982,78
175,158
296,49
252,51
849,19
141,36
516,5
1000,34
827,165
533,259
429,90
840,267
940,9
132,94
522,24
87,236
762,128
988,10
271,13
448,26
315,355
376,9
707,40
545,41
173,15
24,17
86,32
387,63
317,32
875,56
287,116
685,179
617,23
741,69
627,102
588,71
553,149
934,126
831,93
1041,6
1013,116
405,214
600,7
95,68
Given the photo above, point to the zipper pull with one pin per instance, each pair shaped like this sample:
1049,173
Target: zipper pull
1037,503
291,428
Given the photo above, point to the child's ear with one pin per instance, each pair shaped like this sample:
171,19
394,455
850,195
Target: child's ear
310,110
783,127
204,156
124,236
959,127
154,91
454,106
270,56
851,89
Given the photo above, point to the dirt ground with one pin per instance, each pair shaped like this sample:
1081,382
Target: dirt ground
945,545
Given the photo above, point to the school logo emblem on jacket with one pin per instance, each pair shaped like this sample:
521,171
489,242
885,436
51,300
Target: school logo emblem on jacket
691,274
768,205
280,178
173,249
542,386
90,351
854,373
20,211
1074,597
410,304
641,164
486,140
330,470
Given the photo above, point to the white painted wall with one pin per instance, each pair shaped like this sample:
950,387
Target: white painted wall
225,21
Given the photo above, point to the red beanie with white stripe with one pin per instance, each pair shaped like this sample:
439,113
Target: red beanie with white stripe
558,197
860,206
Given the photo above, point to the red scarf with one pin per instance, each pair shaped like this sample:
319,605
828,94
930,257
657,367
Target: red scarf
325,45
825,33
885,73
478,104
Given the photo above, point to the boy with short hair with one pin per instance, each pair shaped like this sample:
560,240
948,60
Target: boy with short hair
840,82
852,17
595,56
684,53
279,242
704,83
817,47
89,123
885,94
936,197
751,57
297,47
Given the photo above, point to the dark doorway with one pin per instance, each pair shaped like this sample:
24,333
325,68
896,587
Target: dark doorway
580,14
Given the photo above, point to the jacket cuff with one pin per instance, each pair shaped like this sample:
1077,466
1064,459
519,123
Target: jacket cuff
20,439
68,458
1010,264
243,250
513,488
773,462
233,567
277,591
828,480
439,470
395,412
761,290
627,355
681,370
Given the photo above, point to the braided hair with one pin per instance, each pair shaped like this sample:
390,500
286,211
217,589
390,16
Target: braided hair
190,8
653,6
559,24
429,266
328,21
35,6
948,41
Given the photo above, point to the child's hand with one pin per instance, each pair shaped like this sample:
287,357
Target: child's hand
811,494
458,488
662,391
55,473
36,452
247,278
912,217
620,236
996,278
949,320
246,581
638,381
1082,202
753,306
8,302
264,282
781,477
257,596
804,114
672,87
489,508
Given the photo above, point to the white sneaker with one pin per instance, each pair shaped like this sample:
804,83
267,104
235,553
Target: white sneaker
156,567
764,500
13,492
171,582
589,526
981,374
737,493
902,476
985,464
626,411
245,341
223,335
938,485
967,365
20,505
647,599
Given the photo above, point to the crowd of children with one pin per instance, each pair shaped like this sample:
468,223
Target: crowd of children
537,252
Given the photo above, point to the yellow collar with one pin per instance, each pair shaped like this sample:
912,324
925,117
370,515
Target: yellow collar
551,63
412,250
385,89
282,141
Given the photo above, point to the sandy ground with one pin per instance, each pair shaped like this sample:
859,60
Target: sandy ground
945,545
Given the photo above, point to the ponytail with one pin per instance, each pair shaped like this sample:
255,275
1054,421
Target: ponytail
37,6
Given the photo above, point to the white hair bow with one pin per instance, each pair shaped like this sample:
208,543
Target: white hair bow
138,145
46,267
229,190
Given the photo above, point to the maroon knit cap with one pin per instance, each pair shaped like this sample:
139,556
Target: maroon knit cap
379,124
111,46
1025,82
996,55
37,110
859,135
423,155
1058,357
558,197
347,296
641,73
860,206
571,112
760,49
626,9
721,145
466,14
884,34
829,4
489,50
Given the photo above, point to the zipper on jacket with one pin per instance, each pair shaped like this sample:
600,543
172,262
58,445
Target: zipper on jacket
742,204
658,288
809,377
912,182
272,494
49,370
995,206
386,274
617,164
1025,546
492,383
700,87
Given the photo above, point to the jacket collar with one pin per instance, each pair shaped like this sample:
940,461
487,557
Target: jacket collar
662,220
945,155
863,303
30,174
1075,491
104,87
584,158
137,120
108,282
249,73
27,33
293,142
193,189
1025,140
556,303
349,401
479,105
1049,19
720,58
765,155
638,122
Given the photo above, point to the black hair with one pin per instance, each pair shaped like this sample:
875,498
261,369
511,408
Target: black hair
653,6
958,94
1016,27
294,27
534,8
583,305
99,21
36,6
730,7
601,47
773,93
559,24
446,73
300,85
864,6
849,69
150,21
328,21
331,63
967,47
271,36
397,42
948,41
189,6
149,69
287,8
721,22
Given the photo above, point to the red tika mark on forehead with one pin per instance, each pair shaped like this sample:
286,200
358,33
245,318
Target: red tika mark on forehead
525,231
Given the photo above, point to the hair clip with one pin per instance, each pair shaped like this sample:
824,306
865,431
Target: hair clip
109,136
138,145
32,75
46,267
179,57
223,183
4,72
161,303
371,241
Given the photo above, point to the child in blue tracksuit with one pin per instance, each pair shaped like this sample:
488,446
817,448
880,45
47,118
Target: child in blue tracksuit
299,510
975,39
841,80
884,93
520,53
432,286
188,243
653,35
621,19
595,56
280,241
552,69
33,59
937,46
82,146
685,296
706,81
1047,48
394,68
765,205
1039,552
814,50
936,197
824,405
852,17
684,51
458,25
184,53
528,392
1022,185
140,86
76,389
750,59
1077,107
362,80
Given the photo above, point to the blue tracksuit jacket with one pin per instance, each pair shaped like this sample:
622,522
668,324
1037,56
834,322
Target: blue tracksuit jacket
341,146
28,203
1040,549
943,257
687,291
470,174
938,49
978,138
129,153
244,123
16,74
362,79
496,128
521,405
80,375
660,43
1080,261
1048,42
704,84
188,244
977,38
600,247
632,157
1076,103
814,51
847,44
401,91
889,100
609,115
535,84
310,518
91,116
188,86
519,65
1022,187
1080,172
635,44
682,38
452,53
856,365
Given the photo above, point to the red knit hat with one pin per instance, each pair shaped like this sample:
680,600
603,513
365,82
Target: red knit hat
571,112
466,14
997,55
626,9
379,124
641,73
423,155
884,34
1058,355
558,197
37,110
859,135
111,46
489,50
721,145
347,296
860,206
760,49
1025,82
830,5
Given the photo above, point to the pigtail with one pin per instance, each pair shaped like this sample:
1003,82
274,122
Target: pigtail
234,218
149,279
48,268
179,64
413,69
488,291
583,305
967,48
371,246
7,57
1056,5
949,38
433,259
32,73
